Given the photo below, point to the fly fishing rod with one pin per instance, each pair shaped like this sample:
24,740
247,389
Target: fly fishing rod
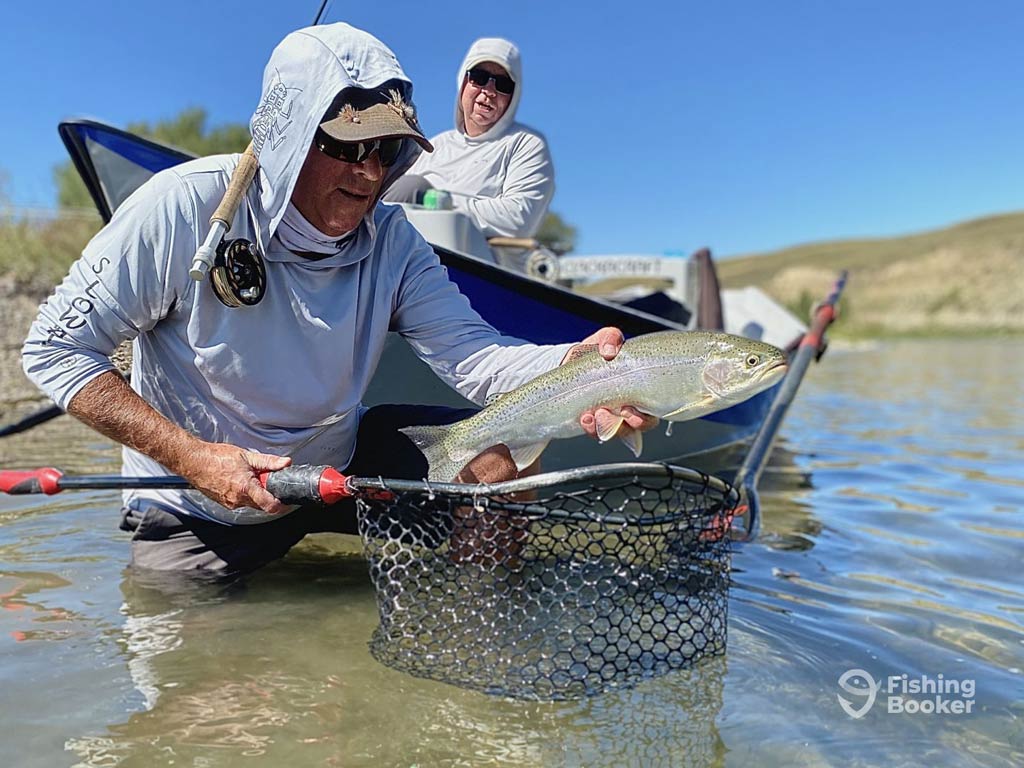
236,270
812,346
211,251
204,259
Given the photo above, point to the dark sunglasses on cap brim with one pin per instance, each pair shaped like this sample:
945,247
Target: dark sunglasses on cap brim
387,150
481,77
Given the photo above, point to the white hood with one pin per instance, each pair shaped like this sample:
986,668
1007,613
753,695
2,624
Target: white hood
500,52
305,72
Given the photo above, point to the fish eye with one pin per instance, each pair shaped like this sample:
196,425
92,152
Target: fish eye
752,360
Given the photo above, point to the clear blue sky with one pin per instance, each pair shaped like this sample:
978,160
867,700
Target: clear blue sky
743,126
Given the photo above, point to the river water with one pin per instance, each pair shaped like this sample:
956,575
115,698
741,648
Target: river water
892,545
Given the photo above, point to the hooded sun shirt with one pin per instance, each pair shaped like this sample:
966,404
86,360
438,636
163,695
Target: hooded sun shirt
287,375
503,179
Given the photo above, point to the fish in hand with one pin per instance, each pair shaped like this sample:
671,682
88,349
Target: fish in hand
673,375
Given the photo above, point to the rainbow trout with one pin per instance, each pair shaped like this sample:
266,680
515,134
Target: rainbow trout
674,375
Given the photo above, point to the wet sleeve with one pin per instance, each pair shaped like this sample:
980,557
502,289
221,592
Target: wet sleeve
446,332
123,284
525,194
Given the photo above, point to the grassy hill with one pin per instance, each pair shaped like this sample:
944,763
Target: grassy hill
967,278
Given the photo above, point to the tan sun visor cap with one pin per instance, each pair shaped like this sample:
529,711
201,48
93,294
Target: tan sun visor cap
393,118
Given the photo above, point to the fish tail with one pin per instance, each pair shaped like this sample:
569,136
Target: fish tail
444,460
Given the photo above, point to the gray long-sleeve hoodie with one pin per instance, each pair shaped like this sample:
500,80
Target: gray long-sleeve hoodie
287,375
503,179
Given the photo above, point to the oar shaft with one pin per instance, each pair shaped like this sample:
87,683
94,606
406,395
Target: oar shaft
33,419
760,449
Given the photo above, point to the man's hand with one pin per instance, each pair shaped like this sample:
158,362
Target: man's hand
225,473
608,342
228,475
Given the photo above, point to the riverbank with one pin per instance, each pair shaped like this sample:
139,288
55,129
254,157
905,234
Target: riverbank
20,308
967,279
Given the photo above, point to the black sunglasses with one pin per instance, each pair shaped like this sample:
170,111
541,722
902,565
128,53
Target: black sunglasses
387,150
481,77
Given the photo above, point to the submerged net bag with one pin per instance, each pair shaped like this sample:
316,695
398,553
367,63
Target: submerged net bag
553,587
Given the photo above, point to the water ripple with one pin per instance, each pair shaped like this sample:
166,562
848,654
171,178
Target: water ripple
892,532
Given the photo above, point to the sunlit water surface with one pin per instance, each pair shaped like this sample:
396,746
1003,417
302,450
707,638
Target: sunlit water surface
892,544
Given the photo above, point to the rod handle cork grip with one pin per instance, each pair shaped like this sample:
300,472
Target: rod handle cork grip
513,242
220,222
241,178
46,480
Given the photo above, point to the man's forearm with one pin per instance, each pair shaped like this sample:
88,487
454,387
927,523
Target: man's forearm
111,407
225,473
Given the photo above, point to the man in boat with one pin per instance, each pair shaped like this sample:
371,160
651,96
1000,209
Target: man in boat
497,171
219,392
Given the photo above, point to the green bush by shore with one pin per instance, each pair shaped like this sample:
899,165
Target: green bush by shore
35,254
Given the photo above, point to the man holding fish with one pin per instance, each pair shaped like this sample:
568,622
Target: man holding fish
219,391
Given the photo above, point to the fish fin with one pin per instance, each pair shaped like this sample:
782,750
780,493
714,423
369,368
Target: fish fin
578,351
607,424
634,440
443,463
525,455
697,407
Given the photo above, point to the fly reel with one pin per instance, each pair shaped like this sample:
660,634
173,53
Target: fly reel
543,265
238,276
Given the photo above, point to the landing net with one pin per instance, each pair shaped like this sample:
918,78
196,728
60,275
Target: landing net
554,587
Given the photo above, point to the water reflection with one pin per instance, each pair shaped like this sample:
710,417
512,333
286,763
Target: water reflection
230,670
890,542
63,442
29,619
919,507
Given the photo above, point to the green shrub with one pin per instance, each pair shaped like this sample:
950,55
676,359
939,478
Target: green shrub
35,255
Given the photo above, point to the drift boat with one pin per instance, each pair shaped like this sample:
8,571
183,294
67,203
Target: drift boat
546,300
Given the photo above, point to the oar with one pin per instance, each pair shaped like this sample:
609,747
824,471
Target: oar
32,420
301,484
812,345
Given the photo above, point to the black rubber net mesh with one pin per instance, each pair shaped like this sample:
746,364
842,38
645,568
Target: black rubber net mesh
575,591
